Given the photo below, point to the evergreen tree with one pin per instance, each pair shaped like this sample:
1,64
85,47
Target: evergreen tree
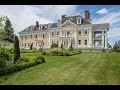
2,33
16,49
31,46
9,32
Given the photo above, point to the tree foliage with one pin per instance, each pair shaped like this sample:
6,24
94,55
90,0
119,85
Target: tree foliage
16,49
54,45
2,33
116,46
9,31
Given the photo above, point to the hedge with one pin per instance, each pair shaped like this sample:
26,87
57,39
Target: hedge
18,67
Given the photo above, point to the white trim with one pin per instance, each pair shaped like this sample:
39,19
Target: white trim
67,22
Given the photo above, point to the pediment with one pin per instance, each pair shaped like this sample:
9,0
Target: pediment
68,23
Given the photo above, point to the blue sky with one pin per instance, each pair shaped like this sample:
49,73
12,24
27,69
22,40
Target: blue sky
23,16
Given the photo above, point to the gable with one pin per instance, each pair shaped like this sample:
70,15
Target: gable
68,23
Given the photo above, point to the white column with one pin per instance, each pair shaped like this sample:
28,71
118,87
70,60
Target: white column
90,38
49,38
102,38
105,40
76,38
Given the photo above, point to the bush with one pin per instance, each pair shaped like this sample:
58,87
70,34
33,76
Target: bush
40,49
54,45
71,48
66,53
77,52
43,53
62,47
39,59
24,59
15,68
47,53
56,51
4,57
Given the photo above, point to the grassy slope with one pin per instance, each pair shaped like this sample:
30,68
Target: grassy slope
86,68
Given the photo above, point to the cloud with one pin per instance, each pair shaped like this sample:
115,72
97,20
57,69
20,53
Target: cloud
23,16
102,11
113,18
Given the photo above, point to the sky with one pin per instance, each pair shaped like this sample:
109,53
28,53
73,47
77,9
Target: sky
22,16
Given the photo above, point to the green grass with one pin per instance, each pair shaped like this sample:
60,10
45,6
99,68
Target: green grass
85,68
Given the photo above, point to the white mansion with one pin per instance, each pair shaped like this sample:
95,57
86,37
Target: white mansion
69,29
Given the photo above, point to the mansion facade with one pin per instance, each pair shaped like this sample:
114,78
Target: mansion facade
75,30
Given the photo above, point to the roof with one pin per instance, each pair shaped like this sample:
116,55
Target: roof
73,19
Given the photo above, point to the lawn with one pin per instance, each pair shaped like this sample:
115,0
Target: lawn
85,68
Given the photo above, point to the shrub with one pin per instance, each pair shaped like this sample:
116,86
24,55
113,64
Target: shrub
40,49
43,53
61,53
66,53
16,49
71,48
4,57
24,59
16,67
77,52
62,47
39,59
47,53
33,50
55,51
54,45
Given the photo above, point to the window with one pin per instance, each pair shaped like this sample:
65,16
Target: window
79,41
79,21
57,33
68,33
31,36
25,44
70,19
79,32
52,33
64,43
28,44
104,31
25,37
35,36
85,31
43,35
85,42
36,44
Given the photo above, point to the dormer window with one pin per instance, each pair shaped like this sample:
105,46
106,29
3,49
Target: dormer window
70,19
78,20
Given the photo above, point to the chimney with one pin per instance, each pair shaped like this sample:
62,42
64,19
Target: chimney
87,14
63,16
37,24
58,22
